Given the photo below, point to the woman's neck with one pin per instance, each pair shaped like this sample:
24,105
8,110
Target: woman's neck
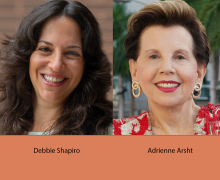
175,120
45,114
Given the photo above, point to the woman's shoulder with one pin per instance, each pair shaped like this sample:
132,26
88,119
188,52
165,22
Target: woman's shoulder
210,111
136,125
209,116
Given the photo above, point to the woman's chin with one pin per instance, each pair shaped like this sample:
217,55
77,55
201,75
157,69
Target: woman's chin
168,102
53,97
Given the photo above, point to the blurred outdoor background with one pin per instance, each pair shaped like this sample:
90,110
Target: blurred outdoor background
125,105
13,11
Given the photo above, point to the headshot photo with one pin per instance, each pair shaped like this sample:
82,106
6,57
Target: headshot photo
55,73
170,56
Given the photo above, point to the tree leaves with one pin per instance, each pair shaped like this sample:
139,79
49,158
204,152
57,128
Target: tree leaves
120,17
208,12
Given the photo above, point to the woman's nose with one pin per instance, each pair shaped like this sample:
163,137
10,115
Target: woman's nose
56,62
166,66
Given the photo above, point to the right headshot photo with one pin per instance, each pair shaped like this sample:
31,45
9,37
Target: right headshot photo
166,68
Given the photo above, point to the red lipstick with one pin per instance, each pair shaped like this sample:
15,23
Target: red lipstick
171,89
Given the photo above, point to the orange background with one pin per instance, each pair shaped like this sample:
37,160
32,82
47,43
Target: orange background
109,157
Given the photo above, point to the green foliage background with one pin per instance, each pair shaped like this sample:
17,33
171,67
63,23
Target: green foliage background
120,17
208,12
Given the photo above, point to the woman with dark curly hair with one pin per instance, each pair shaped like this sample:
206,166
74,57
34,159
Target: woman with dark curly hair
54,75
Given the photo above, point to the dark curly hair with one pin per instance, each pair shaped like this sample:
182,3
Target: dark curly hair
86,110
167,13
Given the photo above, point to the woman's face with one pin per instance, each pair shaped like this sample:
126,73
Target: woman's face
56,66
166,68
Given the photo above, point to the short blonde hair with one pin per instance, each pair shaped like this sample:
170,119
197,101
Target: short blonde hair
167,13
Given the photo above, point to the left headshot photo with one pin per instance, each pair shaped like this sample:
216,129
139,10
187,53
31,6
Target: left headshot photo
56,67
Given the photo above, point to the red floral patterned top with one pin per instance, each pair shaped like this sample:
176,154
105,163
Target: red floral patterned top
207,123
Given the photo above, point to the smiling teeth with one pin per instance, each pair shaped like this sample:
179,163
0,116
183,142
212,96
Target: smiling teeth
167,85
53,79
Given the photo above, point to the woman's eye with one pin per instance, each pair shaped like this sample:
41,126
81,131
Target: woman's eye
180,57
153,56
73,53
44,49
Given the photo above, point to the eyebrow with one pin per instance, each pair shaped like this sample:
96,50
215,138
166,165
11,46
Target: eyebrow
151,50
75,46
179,50
68,47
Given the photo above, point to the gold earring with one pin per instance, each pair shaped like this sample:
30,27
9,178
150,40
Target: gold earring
135,86
196,91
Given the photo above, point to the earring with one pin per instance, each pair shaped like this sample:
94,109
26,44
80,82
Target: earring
196,91
135,86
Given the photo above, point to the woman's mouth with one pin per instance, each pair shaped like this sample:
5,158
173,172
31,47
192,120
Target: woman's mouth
168,86
53,80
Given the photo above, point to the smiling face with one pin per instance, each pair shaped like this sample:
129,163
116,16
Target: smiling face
56,66
166,68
